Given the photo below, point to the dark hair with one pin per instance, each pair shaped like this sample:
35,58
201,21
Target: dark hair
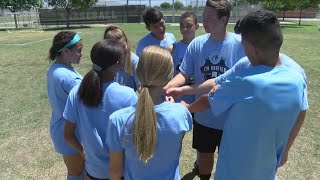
236,27
223,7
104,54
189,14
262,29
59,41
152,16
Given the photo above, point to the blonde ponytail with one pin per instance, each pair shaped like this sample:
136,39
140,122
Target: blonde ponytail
145,126
154,69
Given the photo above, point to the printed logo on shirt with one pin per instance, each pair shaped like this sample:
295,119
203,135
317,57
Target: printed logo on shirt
213,67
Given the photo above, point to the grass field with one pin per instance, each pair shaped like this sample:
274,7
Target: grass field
26,151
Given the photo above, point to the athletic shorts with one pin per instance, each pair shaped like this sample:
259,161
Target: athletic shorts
205,139
93,178
57,136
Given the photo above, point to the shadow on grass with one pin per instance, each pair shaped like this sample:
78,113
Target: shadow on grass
65,28
190,176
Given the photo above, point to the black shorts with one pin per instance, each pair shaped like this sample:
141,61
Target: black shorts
94,178
205,139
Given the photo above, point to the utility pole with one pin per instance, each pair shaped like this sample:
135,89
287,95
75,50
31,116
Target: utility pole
196,6
172,11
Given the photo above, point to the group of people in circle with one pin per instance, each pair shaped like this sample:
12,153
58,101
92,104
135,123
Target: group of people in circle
126,118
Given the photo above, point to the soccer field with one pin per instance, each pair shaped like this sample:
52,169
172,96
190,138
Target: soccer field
26,151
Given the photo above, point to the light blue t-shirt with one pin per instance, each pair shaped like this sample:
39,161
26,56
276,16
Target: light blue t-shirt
125,79
206,59
149,39
92,123
285,60
173,121
262,104
60,80
177,55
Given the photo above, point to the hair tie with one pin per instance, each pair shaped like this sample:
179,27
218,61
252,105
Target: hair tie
96,67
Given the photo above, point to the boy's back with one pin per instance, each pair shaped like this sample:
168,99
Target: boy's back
262,110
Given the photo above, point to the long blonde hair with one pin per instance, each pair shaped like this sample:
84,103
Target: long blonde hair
155,68
114,32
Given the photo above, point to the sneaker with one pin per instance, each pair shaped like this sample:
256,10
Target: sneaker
195,169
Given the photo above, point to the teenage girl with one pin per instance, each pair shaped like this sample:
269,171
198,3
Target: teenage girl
90,104
146,139
66,50
126,76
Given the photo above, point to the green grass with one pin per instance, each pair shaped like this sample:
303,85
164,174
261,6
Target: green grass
25,145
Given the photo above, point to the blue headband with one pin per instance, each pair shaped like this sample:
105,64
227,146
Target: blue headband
74,40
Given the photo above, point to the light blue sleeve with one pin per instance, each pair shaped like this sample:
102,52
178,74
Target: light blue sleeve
70,111
113,133
240,53
240,65
135,61
187,65
230,92
132,100
140,46
305,104
287,61
188,120
174,39
68,85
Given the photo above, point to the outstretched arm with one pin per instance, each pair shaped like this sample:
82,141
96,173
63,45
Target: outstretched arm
203,88
179,80
200,104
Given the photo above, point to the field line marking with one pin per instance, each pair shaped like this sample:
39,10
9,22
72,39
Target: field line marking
28,42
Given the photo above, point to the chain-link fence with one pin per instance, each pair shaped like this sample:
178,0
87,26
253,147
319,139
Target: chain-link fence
19,20
121,11
172,13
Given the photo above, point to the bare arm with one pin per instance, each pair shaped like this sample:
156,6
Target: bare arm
69,131
203,88
179,80
116,165
170,48
293,134
202,103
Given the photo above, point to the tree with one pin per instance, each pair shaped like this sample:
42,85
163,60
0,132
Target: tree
70,5
253,2
306,4
286,5
165,5
271,5
18,5
178,5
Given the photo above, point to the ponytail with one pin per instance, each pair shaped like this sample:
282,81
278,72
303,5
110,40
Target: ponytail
127,62
145,127
90,91
52,54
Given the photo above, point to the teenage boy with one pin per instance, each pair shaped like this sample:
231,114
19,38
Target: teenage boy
155,23
207,57
264,97
188,26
